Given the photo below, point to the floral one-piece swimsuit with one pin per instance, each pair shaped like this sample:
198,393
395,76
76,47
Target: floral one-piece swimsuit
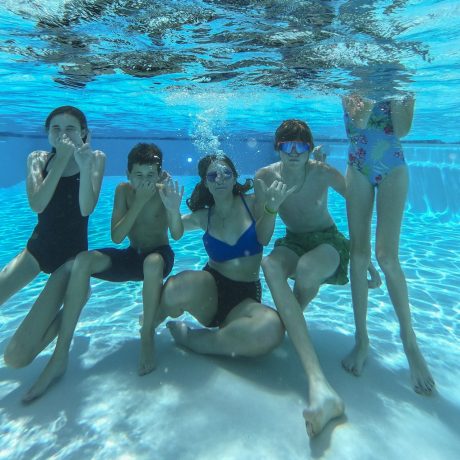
375,150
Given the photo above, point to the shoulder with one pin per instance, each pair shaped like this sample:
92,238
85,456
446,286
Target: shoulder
38,155
99,157
99,154
123,189
249,198
322,168
198,218
267,173
326,172
38,159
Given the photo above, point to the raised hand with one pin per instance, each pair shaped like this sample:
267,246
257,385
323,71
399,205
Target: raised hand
170,193
144,192
65,147
358,108
320,153
275,194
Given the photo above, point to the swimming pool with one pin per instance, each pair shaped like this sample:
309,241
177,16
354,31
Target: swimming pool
224,75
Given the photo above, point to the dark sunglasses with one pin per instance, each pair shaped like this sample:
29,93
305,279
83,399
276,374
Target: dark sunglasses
225,173
300,147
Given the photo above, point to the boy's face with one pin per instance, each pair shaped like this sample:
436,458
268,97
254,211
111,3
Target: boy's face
294,153
67,124
141,174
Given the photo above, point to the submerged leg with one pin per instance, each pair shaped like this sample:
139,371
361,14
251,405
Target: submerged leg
324,403
17,274
390,206
360,201
153,283
76,297
42,323
250,329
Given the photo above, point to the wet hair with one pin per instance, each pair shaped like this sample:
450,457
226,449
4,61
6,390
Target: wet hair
291,130
70,110
145,154
201,197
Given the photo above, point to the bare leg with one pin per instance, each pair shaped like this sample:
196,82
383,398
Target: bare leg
191,291
17,274
251,329
153,283
360,201
313,268
391,199
42,323
85,264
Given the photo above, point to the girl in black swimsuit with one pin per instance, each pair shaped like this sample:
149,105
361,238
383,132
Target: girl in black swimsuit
63,188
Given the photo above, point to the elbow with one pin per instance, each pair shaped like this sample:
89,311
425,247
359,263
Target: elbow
176,236
86,210
36,206
116,238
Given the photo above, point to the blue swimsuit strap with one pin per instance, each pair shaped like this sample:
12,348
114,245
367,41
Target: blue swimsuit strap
245,205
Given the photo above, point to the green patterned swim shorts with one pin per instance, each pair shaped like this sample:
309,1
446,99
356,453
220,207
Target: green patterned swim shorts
301,243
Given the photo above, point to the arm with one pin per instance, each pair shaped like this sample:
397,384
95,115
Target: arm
358,108
123,218
91,166
265,220
171,196
336,180
40,190
402,113
267,202
195,220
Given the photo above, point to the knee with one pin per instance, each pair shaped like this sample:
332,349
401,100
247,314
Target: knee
389,263
360,255
305,276
16,356
271,267
83,263
172,297
153,267
270,334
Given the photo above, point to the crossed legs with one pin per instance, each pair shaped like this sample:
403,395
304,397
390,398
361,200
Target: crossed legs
250,329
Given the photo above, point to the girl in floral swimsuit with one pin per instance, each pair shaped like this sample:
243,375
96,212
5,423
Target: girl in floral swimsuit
376,159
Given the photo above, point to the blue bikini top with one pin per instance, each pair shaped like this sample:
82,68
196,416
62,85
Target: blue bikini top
247,244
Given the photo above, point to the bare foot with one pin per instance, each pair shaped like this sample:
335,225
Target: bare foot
147,360
179,331
375,280
53,371
422,381
324,406
355,360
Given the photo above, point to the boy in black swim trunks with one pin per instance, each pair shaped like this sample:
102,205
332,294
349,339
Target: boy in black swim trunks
313,252
144,209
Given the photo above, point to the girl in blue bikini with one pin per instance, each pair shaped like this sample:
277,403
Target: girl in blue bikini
226,295
376,167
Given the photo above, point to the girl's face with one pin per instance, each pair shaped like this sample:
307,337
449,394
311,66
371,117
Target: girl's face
219,177
67,124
